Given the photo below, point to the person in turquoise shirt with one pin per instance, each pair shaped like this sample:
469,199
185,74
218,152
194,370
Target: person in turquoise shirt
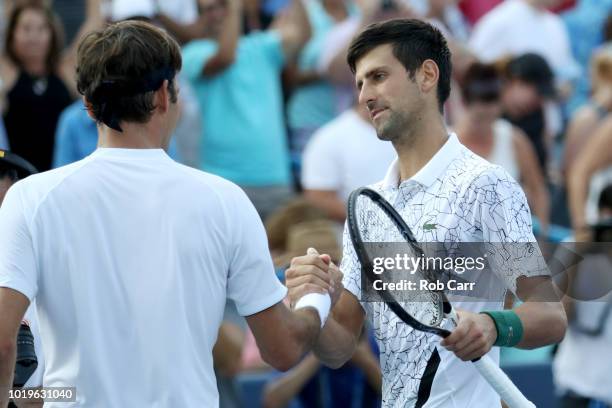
237,81
313,102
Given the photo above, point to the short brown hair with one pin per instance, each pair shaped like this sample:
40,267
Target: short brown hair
120,67
53,22
412,41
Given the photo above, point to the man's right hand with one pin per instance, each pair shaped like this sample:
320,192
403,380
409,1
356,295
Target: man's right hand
313,273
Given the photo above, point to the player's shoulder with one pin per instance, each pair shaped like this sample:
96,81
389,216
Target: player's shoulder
201,182
34,189
42,183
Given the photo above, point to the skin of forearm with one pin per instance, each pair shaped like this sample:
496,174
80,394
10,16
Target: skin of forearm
335,345
8,354
299,330
183,33
301,21
544,323
229,38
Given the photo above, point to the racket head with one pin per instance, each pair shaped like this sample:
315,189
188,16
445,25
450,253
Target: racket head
372,219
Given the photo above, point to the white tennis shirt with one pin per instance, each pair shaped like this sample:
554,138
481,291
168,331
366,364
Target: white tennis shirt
456,197
130,257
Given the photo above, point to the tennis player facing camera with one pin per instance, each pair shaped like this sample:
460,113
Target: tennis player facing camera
445,193
131,255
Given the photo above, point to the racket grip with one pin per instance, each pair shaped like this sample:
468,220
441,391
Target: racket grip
500,382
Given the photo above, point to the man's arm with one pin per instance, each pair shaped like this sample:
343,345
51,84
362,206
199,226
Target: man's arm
284,336
183,32
542,317
294,28
338,339
228,41
541,313
13,306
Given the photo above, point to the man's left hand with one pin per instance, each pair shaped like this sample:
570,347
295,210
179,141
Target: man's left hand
473,337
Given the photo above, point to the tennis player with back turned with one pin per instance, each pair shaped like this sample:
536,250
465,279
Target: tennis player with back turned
445,193
131,256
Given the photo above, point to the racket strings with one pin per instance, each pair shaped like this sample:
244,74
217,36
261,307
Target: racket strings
383,238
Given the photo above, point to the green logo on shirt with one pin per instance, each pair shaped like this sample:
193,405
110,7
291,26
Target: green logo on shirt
429,227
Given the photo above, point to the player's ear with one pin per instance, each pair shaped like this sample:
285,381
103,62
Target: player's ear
162,96
89,108
428,76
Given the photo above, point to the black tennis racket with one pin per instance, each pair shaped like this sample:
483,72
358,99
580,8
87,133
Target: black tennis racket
371,219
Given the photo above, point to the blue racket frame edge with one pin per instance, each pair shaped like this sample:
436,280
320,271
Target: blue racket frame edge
487,368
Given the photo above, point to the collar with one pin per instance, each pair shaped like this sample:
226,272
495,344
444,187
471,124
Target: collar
434,168
113,152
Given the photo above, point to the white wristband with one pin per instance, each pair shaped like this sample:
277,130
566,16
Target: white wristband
321,302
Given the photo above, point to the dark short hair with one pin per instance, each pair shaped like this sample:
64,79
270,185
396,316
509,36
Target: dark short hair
533,69
481,83
117,61
53,23
413,42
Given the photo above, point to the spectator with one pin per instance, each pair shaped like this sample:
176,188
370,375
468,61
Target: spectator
483,131
279,224
37,79
590,173
588,117
237,81
586,29
311,103
342,156
446,13
184,26
529,85
516,27
587,342
333,57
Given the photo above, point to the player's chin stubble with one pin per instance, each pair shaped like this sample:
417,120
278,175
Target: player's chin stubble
393,128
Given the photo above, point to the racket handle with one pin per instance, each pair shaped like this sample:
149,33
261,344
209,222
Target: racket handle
500,382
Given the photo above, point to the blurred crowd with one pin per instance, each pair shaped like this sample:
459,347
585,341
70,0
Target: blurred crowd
268,102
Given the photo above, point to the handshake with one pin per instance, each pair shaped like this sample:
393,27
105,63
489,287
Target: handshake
313,280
